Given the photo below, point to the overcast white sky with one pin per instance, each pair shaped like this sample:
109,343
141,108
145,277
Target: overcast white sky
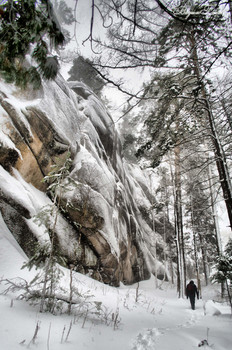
83,16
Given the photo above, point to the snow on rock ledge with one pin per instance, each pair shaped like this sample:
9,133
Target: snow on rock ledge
101,229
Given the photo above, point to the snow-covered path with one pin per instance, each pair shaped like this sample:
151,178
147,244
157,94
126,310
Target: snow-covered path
157,320
187,332
181,328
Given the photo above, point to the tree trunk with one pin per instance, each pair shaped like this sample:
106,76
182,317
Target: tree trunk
221,163
204,258
171,270
154,233
165,219
179,225
195,249
229,295
230,9
214,212
220,157
165,255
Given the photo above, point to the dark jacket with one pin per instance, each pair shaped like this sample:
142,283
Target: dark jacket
191,290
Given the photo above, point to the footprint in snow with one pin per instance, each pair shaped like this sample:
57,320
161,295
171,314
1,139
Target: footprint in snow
146,340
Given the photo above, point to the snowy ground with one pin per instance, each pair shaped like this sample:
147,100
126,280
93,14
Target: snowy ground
157,320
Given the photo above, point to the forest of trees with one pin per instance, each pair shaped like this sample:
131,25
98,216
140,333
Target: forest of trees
183,108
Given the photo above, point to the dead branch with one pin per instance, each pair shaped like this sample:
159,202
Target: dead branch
29,291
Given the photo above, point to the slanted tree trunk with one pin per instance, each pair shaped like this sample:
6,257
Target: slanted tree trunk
220,157
215,218
222,167
214,211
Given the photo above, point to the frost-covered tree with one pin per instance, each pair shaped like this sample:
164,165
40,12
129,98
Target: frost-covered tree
47,256
189,46
65,17
223,269
28,30
134,28
221,101
82,70
199,209
169,121
63,12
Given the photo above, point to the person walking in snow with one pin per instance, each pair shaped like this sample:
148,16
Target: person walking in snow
191,293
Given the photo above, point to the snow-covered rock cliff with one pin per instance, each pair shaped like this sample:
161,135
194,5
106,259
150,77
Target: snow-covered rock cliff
103,226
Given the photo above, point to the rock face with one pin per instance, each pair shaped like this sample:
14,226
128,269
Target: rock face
99,226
